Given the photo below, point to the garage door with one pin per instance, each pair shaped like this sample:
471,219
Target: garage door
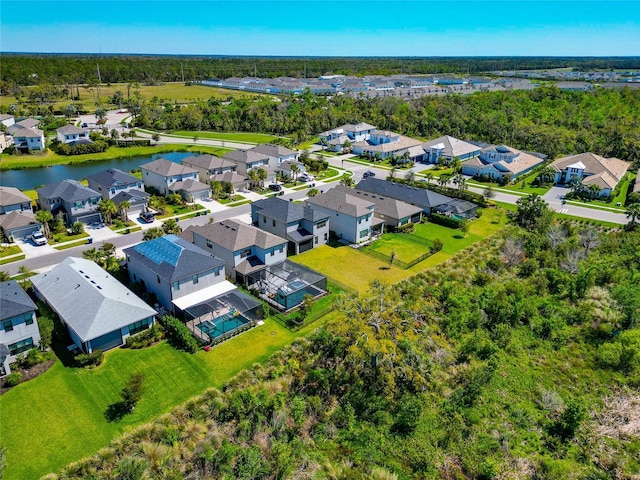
108,341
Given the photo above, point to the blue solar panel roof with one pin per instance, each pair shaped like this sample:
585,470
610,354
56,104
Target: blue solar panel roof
162,249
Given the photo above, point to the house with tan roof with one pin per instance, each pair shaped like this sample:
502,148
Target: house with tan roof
591,169
336,138
384,144
499,162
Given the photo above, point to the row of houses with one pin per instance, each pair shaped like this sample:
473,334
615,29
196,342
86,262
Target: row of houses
24,134
495,162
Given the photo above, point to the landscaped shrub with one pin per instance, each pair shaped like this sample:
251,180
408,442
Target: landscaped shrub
178,335
145,338
13,379
437,245
445,221
408,228
90,359
95,147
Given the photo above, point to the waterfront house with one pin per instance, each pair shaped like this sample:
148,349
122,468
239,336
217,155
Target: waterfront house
73,200
114,184
168,177
72,135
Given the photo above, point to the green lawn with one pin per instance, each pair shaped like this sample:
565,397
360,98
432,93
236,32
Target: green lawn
58,417
49,158
232,199
169,92
10,250
517,186
405,245
59,238
231,137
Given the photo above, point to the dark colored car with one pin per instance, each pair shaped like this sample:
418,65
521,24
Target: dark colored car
368,174
147,217
275,187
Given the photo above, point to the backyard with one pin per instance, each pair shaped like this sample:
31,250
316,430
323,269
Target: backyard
66,417
241,137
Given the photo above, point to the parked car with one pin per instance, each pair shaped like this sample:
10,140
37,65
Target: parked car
276,187
368,174
38,238
305,177
147,217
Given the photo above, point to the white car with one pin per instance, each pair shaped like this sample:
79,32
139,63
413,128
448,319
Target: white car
305,177
38,238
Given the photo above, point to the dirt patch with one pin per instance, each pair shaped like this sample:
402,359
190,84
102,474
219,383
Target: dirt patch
28,373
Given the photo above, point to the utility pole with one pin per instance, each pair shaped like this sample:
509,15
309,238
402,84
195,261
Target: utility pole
255,69
99,81
182,70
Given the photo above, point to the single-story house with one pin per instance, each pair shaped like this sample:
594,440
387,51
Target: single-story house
446,149
98,311
500,161
12,199
19,224
19,331
591,169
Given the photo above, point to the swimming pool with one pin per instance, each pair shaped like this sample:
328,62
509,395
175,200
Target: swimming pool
222,325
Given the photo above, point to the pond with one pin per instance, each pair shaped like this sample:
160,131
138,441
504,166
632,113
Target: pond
30,178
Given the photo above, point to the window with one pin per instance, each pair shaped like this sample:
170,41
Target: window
322,224
281,248
216,272
195,279
158,278
21,346
138,326
209,244
315,240
326,237
364,233
264,219
245,253
28,319
274,223
7,325
176,286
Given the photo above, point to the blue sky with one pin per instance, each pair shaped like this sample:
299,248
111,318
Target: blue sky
347,28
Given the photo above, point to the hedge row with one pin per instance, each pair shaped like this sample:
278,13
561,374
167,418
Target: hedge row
445,221
178,335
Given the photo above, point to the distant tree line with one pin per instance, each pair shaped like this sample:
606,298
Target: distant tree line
33,69
546,120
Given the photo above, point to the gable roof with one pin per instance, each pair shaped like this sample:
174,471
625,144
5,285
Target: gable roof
208,162
173,258
244,156
451,146
167,168
286,211
132,196
233,236
28,123
113,176
14,300
18,131
387,206
609,170
89,299
414,195
70,129
342,201
233,178
273,150
189,185
67,190
12,196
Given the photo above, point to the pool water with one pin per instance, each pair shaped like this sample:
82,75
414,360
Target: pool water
223,324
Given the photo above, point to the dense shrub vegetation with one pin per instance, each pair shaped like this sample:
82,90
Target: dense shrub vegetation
178,335
519,359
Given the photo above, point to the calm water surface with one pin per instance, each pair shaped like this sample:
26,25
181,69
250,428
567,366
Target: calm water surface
30,178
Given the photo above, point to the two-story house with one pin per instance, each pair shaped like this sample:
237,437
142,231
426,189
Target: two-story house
27,139
384,144
337,138
178,272
7,120
245,249
168,177
19,328
590,169
72,135
16,215
303,227
97,310
114,184
73,200
247,160
351,217
214,169
276,154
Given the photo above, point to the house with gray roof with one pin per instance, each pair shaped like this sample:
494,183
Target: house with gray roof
247,160
636,185
98,311
277,154
335,139
26,139
19,331
178,272
245,249
427,200
209,166
7,120
12,199
73,200
168,177
114,184
17,225
446,149
351,218
394,213
303,227
72,135
384,144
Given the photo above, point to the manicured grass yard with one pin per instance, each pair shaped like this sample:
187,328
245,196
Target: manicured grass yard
10,250
231,137
58,417
405,245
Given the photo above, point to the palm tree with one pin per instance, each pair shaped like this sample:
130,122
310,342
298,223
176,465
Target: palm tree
393,172
594,191
575,184
294,171
253,176
153,232
262,176
124,207
171,227
460,181
44,217
444,179
633,212
410,176
114,134
108,208
155,137
4,276
347,181
100,114
428,177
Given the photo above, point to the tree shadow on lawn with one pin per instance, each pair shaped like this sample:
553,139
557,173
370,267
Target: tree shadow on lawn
116,411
